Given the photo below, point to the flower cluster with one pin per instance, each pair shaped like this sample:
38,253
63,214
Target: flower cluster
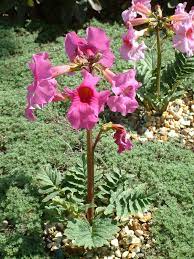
137,14
92,56
181,24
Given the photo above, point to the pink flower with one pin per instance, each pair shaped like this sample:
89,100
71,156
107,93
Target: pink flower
43,89
184,38
146,3
142,9
128,15
121,138
181,15
124,86
86,103
139,7
95,45
131,49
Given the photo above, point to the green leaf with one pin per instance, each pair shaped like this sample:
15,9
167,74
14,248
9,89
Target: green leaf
91,236
50,196
178,70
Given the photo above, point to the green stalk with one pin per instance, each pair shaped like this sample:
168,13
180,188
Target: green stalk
90,176
159,61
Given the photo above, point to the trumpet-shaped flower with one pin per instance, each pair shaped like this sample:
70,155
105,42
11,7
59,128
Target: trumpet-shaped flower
131,49
43,89
184,38
124,86
86,103
94,48
122,140
181,15
128,15
146,3
139,7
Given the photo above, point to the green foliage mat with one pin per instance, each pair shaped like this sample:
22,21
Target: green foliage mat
25,147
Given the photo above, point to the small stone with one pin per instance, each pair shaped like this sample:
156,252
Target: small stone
191,133
192,107
140,255
125,254
135,240
53,248
118,253
115,242
147,246
179,102
110,257
133,254
141,238
172,134
5,223
65,241
163,131
128,231
164,138
176,116
146,217
184,122
136,249
59,234
149,135
138,232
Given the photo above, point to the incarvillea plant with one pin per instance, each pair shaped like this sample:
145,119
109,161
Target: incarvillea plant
85,199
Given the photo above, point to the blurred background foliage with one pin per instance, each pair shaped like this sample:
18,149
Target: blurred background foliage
70,12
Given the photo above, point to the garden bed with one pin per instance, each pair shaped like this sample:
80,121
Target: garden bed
164,168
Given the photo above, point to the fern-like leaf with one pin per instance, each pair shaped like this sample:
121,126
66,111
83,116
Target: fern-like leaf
128,201
75,181
111,181
179,69
49,180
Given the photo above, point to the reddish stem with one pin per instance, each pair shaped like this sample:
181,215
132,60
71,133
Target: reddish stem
90,175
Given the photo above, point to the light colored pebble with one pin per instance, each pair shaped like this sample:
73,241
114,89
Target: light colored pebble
138,232
125,254
118,253
149,135
140,255
136,249
115,242
129,232
135,240
147,246
172,134
59,234
133,254
184,122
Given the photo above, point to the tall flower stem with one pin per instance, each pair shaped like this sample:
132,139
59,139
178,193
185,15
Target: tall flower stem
159,61
90,176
